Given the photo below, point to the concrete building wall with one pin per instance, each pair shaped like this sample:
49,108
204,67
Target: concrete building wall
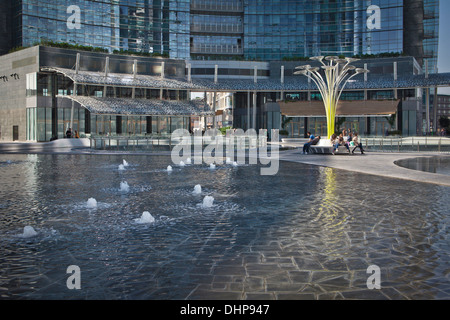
13,70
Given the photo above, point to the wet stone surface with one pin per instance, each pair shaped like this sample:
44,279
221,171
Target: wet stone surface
306,233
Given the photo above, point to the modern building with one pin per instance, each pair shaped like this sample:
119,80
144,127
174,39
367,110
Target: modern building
440,109
262,30
47,90
245,50
222,102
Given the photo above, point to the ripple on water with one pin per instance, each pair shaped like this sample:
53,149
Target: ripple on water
321,221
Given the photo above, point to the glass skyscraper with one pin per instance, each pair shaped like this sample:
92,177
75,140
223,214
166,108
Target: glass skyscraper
263,30
130,25
283,29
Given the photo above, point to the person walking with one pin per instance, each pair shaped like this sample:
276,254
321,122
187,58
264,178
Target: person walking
357,143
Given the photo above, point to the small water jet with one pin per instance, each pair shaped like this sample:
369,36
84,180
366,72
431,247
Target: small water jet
182,164
212,166
28,232
197,189
125,163
121,167
145,218
235,164
169,168
188,161
124,187
208,202
91,203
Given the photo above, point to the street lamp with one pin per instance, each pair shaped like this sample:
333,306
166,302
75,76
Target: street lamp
337,74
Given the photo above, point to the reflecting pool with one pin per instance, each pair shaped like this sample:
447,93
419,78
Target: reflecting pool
137,231
437,164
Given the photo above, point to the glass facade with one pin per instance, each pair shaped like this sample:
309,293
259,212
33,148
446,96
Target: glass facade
256,30
53,114
263,30
149,26
216,29
431,33
275,30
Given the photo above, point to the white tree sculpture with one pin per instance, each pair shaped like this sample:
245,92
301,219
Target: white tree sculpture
337,74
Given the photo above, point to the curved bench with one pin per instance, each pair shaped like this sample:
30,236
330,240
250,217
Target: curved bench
325,147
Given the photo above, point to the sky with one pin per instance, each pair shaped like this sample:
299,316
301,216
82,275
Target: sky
444,41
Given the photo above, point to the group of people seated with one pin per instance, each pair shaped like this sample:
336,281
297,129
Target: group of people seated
346,139
70,135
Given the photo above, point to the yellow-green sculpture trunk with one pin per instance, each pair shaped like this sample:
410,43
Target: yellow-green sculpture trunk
330,108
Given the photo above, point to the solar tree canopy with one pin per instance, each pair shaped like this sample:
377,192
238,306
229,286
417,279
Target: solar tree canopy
143,107
382,82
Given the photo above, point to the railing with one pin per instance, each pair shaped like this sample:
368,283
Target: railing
406,144
223,6
219,49
166,143
216,28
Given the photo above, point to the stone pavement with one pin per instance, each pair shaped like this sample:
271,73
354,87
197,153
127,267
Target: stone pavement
374,163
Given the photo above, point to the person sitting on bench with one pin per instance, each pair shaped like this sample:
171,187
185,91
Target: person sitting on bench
335,142
340,141
307,145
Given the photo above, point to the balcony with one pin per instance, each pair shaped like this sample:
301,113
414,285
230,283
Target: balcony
217,6
217,28
216,49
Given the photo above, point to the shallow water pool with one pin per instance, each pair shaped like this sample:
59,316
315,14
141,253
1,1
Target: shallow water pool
306,233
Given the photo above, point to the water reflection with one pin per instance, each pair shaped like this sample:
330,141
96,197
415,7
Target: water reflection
331,215
307,227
